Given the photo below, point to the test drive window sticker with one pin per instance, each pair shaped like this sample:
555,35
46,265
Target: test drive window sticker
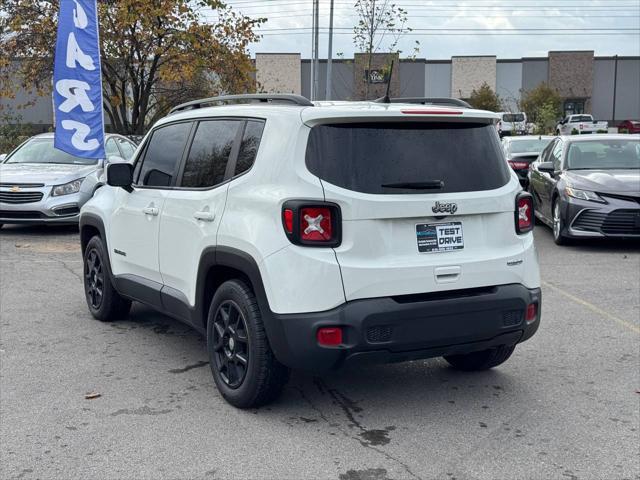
439,237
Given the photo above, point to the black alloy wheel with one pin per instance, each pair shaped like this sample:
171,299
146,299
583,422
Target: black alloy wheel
103,300
230,344
245,369
94,278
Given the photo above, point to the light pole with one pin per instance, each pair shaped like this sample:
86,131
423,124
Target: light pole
316,73
327,94
313,53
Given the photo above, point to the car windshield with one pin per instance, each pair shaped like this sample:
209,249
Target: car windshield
604,155
40,150
513,117
581,118
533,145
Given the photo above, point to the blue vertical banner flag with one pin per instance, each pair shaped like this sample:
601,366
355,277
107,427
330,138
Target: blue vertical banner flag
77,81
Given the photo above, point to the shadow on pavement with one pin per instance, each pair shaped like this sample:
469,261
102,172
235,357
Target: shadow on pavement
388,386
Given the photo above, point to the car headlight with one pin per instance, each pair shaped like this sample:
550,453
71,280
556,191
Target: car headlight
67,188
583,195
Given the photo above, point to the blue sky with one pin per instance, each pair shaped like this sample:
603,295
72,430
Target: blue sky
567,24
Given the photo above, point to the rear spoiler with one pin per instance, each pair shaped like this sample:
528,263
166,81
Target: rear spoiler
439,101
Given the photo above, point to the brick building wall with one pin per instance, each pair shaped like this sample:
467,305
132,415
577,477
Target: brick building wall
571,74
469,73
379,62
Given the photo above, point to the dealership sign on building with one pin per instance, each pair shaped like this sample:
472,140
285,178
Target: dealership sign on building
77,93
376,76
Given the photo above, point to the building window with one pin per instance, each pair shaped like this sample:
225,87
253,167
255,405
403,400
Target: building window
573,106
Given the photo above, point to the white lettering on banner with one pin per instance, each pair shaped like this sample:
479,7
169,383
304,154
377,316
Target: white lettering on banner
77,86
75,93
75,54
79,17
78,139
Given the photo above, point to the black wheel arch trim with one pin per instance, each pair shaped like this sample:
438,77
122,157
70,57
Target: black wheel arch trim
92,220
243,262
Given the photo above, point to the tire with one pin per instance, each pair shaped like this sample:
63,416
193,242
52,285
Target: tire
105,304
558,225
244,368
483,360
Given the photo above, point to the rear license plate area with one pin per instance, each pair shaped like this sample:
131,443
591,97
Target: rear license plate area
439,237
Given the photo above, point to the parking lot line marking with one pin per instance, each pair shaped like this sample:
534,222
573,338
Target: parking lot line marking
593,308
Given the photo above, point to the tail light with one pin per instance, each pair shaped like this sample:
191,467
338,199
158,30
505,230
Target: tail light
431,112
532,313
312,224
524,215
329,336
518,165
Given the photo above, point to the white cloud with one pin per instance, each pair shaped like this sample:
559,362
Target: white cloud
287,14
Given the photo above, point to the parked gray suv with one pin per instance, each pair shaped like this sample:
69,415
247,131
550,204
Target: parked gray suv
40,184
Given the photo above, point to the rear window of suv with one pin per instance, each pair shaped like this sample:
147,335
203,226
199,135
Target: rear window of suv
362,157
513,117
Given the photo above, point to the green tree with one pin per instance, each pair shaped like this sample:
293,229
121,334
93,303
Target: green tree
484,98
154,53
547,116
542,105
12,131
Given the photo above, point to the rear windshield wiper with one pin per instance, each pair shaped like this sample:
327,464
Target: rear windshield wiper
428,185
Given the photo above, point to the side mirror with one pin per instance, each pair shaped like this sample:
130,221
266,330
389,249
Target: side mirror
546,167
120,175
2,157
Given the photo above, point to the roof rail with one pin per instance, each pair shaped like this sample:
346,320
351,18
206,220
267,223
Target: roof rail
444,101
252,97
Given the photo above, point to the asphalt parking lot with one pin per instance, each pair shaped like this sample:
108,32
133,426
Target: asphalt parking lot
566,405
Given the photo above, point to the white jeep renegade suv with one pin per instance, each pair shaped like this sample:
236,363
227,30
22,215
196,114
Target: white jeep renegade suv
306,235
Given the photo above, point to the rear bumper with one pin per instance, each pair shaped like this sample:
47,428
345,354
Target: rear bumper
522,176
408,327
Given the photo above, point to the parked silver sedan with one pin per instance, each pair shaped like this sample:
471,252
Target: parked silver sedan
40,184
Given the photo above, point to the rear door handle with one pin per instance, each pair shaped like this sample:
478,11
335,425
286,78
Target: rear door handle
151,211
205,216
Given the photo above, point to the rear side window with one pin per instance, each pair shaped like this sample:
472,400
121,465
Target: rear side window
556,155
513,117
163,155
127,148
249,146
363,157
111,149
209,154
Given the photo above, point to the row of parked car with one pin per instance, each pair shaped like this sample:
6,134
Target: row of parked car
41,184
510,124
583,185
